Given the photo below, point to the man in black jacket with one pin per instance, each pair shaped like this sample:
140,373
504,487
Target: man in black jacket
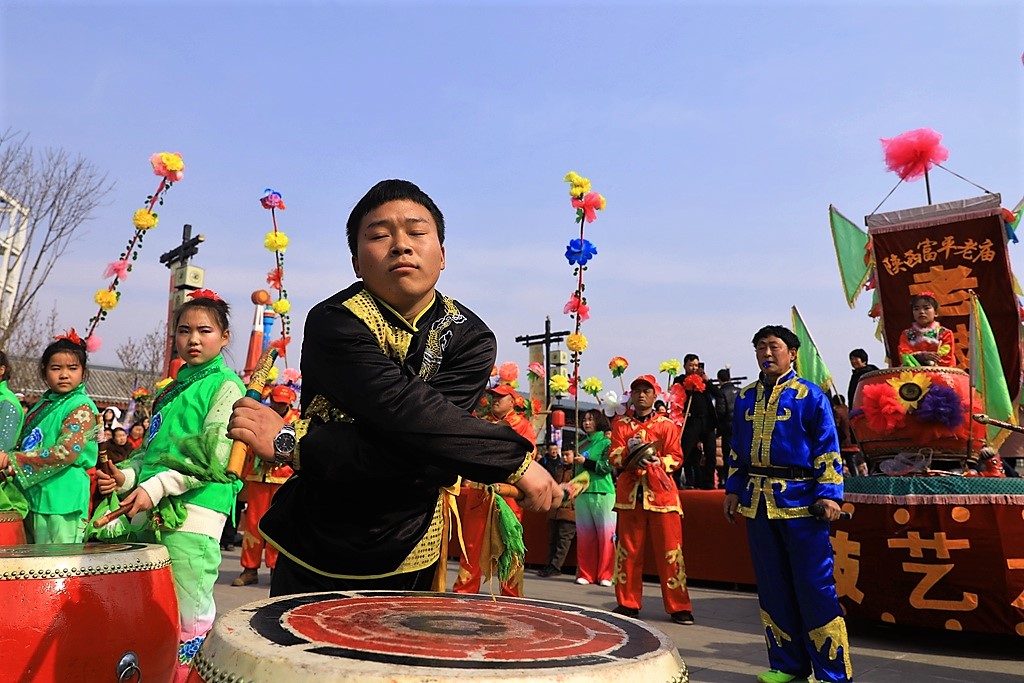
861,366
391,369
699,430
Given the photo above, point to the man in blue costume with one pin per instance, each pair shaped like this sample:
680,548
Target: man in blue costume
784,468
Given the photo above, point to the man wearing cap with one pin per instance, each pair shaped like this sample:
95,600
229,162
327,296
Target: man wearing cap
647,500
474,501
262,480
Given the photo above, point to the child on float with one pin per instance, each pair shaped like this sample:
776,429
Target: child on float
58,447
926,342
188,512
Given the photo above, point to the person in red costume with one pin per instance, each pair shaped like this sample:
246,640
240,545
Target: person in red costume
926,342
647,502
474,499
262,480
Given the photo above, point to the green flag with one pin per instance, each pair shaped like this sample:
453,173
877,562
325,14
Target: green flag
987,373
809,364
851,244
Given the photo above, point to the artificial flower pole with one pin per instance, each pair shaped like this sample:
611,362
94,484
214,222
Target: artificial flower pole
579,252
276,241
170,167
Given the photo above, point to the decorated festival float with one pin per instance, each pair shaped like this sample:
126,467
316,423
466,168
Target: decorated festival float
936,537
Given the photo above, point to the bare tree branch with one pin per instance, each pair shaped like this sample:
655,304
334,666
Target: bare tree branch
60,193
30,338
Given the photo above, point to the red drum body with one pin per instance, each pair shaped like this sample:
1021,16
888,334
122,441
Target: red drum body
87,613
402,637
12,528
916,410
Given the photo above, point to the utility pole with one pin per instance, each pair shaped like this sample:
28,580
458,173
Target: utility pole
545,340
185,278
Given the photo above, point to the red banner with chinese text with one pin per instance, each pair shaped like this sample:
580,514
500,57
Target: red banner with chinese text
957,567
947,256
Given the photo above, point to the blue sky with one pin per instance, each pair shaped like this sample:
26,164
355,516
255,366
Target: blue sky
719,133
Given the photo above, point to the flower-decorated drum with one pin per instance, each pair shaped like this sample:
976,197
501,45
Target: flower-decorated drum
401,637
908,409
12,528
87,613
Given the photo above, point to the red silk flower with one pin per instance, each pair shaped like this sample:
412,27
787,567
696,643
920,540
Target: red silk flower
912,154
882,408
575,305
591,203
694,382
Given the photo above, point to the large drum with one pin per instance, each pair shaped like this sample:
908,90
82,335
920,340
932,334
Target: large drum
920,410
87,613
401,637
12,528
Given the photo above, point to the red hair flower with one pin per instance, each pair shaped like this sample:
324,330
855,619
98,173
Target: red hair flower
204,294
70,335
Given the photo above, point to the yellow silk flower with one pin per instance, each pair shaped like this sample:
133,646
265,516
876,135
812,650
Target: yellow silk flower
671,366
281,306
576,342
559,384
592,385
578,185
144,219
106,299
276,241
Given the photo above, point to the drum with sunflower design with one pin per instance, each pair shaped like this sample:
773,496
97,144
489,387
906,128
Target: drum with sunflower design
920,409
95,612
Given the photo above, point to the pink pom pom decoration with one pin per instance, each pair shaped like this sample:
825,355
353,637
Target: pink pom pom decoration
93,343
912,154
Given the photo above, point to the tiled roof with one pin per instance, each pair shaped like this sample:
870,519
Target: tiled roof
106,385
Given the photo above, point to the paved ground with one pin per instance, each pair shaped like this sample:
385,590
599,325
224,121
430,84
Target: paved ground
726,646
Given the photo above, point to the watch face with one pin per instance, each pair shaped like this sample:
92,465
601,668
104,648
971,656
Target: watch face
284,442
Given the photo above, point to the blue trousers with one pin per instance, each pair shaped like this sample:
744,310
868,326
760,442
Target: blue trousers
804,626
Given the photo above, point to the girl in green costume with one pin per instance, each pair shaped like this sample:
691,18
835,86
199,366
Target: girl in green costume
177,481
11,419
58,447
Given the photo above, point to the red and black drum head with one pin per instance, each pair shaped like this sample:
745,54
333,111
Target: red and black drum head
406,636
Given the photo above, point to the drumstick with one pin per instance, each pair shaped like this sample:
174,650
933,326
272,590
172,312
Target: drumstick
986,420
112,515
579,483
254,391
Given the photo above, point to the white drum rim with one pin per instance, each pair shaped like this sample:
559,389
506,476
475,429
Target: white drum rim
226,645
21,562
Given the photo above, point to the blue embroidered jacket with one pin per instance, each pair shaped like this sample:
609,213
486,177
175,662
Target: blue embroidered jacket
788,437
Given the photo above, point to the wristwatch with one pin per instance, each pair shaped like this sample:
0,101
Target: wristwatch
284,444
